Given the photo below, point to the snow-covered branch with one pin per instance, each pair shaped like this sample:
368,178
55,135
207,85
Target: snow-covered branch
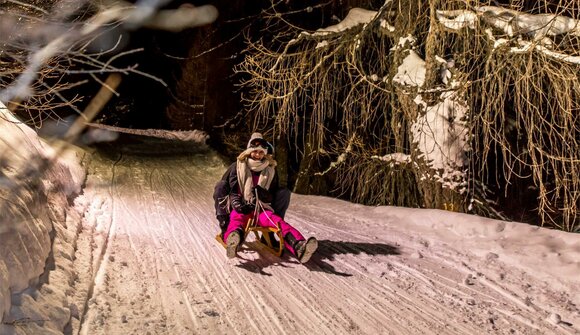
539,27
511,22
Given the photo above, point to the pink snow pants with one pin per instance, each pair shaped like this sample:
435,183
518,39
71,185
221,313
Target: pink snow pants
239,221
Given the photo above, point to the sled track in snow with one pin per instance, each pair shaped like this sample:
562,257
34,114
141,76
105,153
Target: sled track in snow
163,272
100,256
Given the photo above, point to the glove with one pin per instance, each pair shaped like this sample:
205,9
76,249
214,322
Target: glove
246,209
263,194
240,207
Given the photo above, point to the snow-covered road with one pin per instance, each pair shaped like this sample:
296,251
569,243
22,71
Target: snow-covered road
148,263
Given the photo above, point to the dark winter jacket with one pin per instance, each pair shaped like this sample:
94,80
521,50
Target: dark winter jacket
231,178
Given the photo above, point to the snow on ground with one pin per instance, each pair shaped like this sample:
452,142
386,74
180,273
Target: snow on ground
145,261
151,265
37,229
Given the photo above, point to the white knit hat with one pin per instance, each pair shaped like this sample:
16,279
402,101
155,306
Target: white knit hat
260,143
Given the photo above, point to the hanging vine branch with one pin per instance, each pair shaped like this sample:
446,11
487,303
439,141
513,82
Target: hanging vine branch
459,88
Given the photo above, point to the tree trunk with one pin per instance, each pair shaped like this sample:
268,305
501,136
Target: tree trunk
282,159
308,181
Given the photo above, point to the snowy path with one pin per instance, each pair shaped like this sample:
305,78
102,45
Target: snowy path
151,265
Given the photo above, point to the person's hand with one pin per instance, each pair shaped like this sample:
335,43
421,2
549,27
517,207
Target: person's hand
242,208
263,194
247,208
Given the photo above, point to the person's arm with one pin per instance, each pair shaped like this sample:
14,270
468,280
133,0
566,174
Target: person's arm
239,205
263,194
232,178
275,185
236,199
267,195
280,197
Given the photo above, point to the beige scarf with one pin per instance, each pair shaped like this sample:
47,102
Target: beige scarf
244,170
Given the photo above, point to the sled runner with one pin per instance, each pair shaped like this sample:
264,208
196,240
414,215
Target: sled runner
263,236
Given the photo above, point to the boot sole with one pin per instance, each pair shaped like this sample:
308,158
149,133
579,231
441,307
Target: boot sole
309,249
232,245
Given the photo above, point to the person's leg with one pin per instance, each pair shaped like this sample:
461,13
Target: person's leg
281,201
305,249
234,234
220,194
291,235
294,241
220,197
238,222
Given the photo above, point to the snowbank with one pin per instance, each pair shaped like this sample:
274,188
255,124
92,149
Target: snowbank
101,133
37,232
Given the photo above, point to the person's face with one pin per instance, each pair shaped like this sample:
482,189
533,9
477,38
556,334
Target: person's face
257,155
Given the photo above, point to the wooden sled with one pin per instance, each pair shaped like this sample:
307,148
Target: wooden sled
263,236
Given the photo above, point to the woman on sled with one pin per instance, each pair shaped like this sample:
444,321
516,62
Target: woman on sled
252,184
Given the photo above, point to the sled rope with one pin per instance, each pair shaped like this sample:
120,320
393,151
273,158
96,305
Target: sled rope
252,226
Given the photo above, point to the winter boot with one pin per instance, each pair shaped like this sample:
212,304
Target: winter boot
232,244
290,240
305,249
224,221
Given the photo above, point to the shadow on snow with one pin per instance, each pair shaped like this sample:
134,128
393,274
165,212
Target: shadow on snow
321,261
